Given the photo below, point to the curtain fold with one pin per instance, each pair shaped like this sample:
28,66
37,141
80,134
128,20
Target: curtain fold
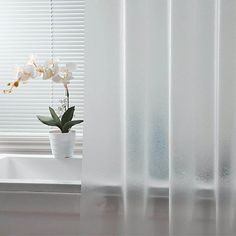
159,152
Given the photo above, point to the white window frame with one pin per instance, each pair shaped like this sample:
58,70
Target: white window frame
35,143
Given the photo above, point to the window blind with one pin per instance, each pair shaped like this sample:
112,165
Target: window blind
46,28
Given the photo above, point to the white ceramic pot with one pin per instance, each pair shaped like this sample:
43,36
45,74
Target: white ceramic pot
62,144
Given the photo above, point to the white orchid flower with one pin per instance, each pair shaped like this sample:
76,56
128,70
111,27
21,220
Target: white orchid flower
51,69
32,60
39,69
22,75
65,74
26,72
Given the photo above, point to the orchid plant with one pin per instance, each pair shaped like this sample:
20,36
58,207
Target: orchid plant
50,70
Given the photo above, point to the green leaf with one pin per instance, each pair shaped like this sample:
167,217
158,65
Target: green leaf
67,116
47,120
68,125
55,117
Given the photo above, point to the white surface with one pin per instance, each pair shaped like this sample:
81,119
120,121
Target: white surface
40,170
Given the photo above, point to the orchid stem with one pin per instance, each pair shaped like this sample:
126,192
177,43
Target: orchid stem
67,94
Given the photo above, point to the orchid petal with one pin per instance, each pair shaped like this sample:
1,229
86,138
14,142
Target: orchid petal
47,74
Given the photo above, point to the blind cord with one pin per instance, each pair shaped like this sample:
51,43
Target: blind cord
51,47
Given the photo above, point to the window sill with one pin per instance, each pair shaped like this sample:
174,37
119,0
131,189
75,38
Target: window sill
40,174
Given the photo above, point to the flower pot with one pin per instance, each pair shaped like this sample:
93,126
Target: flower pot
62,144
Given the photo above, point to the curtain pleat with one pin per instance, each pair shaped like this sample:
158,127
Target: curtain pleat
225,189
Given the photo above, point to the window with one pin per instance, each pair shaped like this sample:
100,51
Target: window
47,28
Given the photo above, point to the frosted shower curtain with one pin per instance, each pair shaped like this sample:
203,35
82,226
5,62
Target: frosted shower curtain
160,130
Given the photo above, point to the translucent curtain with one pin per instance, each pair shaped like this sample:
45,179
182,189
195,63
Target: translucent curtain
160,118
